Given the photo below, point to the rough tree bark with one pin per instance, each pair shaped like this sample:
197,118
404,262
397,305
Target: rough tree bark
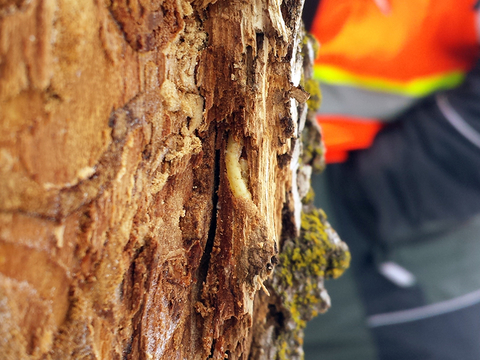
152,173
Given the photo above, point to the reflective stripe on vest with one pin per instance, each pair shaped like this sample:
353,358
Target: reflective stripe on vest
376,61
415,87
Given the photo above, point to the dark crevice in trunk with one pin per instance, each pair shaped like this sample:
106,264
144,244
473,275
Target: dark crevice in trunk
205,261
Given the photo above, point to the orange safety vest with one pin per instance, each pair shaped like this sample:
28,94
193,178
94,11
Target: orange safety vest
386,53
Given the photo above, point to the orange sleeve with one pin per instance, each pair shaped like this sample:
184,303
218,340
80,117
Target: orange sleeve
341,135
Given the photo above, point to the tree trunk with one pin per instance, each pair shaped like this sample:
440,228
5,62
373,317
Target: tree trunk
151,177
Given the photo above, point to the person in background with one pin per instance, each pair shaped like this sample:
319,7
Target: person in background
401,123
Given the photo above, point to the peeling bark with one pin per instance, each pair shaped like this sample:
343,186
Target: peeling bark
151,177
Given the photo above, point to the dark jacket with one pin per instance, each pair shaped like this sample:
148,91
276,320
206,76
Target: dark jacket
422,173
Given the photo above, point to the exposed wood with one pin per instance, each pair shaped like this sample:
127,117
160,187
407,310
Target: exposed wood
151,171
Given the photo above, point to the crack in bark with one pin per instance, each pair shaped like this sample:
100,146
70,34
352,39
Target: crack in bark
205,260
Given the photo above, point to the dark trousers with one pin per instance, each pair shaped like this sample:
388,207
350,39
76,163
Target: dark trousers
436,316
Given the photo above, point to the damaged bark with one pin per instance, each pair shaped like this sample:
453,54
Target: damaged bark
153,161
